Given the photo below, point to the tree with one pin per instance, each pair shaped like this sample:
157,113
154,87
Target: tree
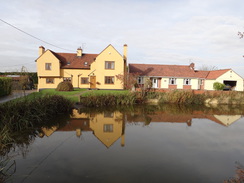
241,35
25,80
208,68
128,80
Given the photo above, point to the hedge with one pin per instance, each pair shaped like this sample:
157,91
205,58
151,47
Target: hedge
5,86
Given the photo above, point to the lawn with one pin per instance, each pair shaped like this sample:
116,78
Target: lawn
72,95
75,95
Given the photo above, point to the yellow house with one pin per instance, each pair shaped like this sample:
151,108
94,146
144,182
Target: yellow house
93,71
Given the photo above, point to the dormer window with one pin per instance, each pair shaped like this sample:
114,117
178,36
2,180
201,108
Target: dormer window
68,63
85,63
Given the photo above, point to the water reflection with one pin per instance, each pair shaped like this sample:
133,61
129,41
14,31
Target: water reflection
108,126
160,150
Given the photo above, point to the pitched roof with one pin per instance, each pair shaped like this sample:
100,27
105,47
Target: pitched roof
173,71
216,73
166,70
72,61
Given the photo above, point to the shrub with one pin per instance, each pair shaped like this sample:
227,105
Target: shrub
5,86
218,86
65,86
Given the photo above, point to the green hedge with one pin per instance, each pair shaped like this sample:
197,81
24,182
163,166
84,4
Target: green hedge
5,86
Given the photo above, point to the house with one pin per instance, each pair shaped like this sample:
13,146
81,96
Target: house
93,71
184,77
107,127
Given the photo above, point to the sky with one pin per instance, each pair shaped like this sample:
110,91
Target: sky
172,32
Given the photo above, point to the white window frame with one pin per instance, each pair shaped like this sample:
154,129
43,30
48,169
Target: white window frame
172,81
187,81
140,80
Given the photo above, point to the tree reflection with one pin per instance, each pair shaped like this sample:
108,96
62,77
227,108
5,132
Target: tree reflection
239,177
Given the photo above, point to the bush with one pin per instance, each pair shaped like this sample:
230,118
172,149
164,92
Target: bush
218,86
5,86
65,86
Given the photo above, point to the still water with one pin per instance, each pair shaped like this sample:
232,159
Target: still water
139,144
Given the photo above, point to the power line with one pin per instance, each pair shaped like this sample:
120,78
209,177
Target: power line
19,64
33,36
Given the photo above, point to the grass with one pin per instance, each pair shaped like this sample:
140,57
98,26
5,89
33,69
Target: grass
71,95
98,98
105,92
26,114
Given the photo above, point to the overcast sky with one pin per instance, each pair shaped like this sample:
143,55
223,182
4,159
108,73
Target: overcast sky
174,32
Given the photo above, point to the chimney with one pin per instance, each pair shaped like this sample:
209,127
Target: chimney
41,50
192,66
125,52
79,52
122,140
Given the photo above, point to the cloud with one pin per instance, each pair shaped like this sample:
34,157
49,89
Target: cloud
168,32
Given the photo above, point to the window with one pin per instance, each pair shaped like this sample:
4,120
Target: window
201,81
109,79
140,80
84,81
172,81
67,79
109,64
50,80
48,66
85,64
108,128
108,114
187,81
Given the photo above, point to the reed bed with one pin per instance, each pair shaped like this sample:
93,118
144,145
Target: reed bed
20,119
94,100
181,97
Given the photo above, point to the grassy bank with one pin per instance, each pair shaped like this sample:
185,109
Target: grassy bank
96,98
71,95
107,98
27,114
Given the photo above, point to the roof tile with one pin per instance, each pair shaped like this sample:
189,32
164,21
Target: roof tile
72,61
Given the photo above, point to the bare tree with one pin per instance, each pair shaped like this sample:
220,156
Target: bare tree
207,68
24,78
240,34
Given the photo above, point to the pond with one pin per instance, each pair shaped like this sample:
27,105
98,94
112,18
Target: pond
135,144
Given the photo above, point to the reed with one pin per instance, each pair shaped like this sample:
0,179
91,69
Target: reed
7,168
20,119
182,97
109,99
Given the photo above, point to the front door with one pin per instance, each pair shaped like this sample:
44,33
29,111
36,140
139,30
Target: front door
155,83
92,82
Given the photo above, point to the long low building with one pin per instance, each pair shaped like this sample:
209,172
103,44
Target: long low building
184,77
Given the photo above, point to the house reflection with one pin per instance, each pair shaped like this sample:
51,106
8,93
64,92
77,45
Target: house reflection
109,127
